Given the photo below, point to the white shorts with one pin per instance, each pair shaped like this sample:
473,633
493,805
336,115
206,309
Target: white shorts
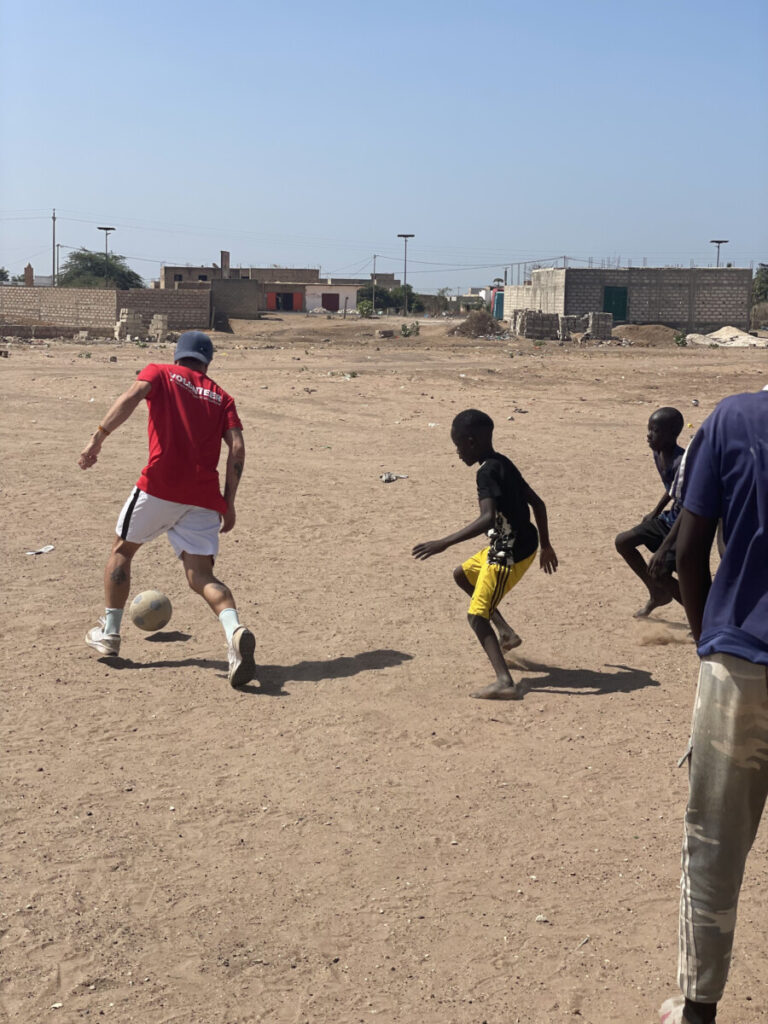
189,528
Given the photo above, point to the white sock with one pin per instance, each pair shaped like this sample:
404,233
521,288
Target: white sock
112,620
230,621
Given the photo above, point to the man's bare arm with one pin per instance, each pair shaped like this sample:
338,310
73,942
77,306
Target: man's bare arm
235,464
694,543
119,412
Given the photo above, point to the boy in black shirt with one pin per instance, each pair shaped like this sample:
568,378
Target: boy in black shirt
504,498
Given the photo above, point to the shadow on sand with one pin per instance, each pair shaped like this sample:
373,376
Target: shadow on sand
270,679
171,637
581,681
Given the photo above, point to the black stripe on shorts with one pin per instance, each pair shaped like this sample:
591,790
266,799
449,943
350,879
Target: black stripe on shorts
129,512
498,591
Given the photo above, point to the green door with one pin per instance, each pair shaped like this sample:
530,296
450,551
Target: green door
615,301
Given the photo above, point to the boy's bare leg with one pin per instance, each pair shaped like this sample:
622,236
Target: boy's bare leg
658,593
505,687
508,638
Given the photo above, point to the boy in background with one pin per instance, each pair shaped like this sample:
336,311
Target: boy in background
504,499
664,426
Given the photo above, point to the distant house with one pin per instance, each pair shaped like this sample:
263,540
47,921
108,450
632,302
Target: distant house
242,292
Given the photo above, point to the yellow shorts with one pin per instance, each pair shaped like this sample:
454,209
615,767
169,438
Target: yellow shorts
491,581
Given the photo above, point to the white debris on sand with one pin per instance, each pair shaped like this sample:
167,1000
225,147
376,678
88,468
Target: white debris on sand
728,337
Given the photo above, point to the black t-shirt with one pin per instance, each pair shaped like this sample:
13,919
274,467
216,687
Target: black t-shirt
516,536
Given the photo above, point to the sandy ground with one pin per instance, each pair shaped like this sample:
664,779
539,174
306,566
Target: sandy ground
353,838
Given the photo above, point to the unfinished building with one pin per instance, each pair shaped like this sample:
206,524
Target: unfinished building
700,299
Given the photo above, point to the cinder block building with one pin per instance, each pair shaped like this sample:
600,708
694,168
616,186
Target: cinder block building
700,299
243,292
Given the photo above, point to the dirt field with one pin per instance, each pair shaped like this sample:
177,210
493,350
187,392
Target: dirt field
353,838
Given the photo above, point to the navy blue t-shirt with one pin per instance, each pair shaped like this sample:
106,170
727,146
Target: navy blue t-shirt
727,477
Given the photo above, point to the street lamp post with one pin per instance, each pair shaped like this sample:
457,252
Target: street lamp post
405,270
106,253
718,242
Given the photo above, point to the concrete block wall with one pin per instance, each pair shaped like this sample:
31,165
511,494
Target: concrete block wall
687,298
722,299
99,308
546,293
62,307
531,323
241,300
568,325
600,325
185,309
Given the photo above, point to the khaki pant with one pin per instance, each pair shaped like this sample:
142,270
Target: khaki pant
728,779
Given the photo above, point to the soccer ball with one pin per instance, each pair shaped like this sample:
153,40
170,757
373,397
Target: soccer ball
150,610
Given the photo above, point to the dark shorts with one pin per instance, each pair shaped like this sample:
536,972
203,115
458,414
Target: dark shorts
651,533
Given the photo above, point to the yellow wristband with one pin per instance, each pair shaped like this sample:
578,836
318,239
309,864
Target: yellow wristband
107,432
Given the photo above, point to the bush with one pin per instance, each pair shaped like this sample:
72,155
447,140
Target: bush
479,324
409,330
680,339
365,308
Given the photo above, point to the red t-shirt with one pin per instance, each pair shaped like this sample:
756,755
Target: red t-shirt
188,417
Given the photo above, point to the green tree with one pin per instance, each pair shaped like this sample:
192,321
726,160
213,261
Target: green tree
85,269
415,302
760,284
4,275
383,299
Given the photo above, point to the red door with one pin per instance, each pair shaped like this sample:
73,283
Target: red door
272,300
298,301
330,301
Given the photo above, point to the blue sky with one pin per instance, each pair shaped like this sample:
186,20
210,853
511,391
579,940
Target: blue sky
311,134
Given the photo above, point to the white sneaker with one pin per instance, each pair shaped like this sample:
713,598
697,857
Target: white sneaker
242,667
107,644
671,1011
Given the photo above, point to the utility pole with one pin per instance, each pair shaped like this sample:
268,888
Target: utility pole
405,269
718,242
58,247
373,285
53,251
106,253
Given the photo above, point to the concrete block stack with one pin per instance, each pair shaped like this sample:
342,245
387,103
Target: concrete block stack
569,325
531,323
158,327
600,326
129,325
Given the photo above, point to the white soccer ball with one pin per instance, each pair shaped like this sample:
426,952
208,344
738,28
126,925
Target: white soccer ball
150,610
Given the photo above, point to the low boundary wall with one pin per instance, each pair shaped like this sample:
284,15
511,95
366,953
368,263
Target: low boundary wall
99,309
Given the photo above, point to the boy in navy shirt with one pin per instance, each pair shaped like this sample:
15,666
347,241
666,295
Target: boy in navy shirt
504,497
664,427
726,477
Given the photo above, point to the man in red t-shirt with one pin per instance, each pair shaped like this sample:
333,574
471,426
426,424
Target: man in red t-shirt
178,491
